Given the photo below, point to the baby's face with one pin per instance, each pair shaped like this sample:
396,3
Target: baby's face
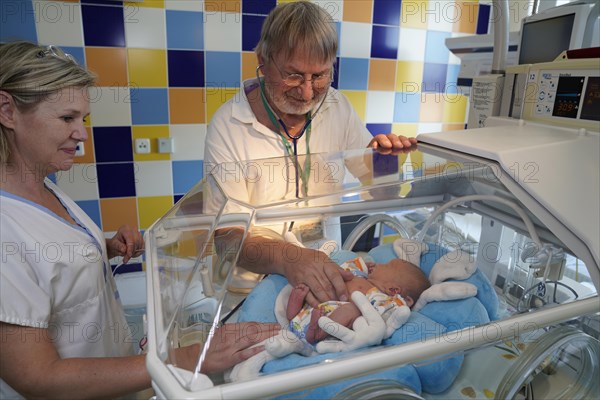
391,277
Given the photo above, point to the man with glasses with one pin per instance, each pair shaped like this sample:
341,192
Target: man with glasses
292,110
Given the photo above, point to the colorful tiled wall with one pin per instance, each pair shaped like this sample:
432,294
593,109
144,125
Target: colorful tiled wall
165,66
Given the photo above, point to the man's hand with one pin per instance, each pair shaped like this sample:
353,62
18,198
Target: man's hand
391,143
128,242
323,276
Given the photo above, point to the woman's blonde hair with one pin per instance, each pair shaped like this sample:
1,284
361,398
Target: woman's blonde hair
31,73
299,26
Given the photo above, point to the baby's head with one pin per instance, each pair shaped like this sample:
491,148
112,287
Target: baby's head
399,277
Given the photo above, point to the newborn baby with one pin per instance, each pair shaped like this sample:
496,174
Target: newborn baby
388,287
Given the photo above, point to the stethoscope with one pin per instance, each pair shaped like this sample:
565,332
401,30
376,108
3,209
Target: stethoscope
292,152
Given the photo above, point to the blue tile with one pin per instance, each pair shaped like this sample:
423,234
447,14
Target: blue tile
384,164
262,7
186,68
103,25
185,30
386,12
354,73
92,209
77,52
251,26
223,69
435,47
52,177
18,21
376,129
336,73
113,144
483,19
177,197
186,174
116,180
434,77
125,268
452,78
150,106
384,42
407,107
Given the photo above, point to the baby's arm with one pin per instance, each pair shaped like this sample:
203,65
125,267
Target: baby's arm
344,315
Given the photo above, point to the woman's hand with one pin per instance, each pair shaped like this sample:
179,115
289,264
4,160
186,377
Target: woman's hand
322,275
128,242
232,344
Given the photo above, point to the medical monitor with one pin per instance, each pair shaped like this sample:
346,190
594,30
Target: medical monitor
545,35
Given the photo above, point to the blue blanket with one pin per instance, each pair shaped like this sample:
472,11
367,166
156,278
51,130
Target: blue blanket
434,319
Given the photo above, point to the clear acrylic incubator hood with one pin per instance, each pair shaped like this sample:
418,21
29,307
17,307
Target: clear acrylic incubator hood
529,225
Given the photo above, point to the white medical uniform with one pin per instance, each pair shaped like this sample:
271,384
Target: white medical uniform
56,276
240,153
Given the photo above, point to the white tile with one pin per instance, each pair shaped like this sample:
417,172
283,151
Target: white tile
411,46
223,31
110,106
58,23
429,127
146,28
380,107
441,15
153,178
189,141
185,5
80,182
355,40
335,8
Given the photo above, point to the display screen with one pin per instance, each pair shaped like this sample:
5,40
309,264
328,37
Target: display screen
543,41
590,107
568,96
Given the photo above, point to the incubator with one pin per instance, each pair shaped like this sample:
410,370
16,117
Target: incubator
520,199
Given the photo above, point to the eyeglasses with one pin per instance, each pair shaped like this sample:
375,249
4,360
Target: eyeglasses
319,81
56,52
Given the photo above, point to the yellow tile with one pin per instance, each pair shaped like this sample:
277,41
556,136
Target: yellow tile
455,108
151,209
152,132
414,14
249,64
405,129
358,99
358,11
409,76
382,74
145,3
216,97
147,68
222,6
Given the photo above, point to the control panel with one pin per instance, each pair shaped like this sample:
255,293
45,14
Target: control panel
561,93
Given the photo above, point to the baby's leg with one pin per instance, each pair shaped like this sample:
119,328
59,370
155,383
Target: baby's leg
296,301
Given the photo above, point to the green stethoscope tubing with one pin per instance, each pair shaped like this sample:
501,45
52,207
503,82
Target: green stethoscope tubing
304,172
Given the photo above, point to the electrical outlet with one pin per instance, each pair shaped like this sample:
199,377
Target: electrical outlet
142,146
80,150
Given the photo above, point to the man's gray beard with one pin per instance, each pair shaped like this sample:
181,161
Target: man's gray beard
287,108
